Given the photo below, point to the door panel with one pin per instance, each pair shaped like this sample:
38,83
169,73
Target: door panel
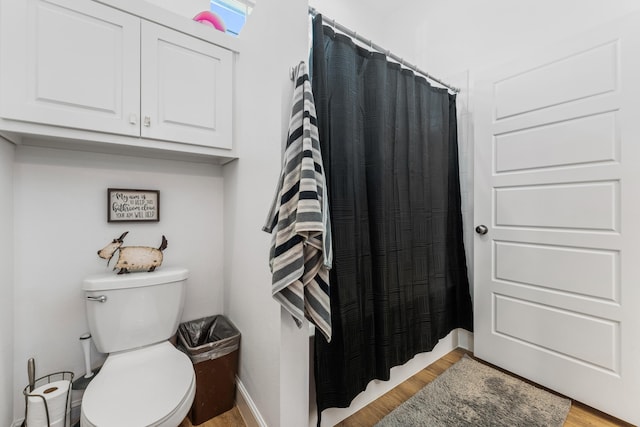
585,205
522,93
589,272
575,335
557,184
571,142
186,88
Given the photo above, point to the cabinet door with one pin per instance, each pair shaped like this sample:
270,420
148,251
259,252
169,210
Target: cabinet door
186,88
70,63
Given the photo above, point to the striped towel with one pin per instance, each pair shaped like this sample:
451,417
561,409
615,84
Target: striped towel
301,254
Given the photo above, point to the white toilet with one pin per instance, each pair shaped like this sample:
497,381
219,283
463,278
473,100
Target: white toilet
145,380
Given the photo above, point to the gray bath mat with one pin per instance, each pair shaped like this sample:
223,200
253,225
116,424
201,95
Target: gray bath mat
470,393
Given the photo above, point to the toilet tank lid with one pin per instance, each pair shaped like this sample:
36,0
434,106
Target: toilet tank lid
113,281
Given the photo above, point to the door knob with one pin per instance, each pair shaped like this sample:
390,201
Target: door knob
482,230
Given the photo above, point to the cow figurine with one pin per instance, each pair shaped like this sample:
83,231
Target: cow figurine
133,258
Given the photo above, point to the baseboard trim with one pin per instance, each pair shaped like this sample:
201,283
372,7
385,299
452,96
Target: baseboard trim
465,339
248,409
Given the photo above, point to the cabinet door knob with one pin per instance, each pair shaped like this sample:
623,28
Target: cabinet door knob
147,121
133,119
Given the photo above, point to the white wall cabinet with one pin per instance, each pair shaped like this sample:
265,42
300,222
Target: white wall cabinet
83,65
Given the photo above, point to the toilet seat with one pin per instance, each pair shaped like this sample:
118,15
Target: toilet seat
151,386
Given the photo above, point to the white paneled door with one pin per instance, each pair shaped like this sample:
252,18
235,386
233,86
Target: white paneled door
557,189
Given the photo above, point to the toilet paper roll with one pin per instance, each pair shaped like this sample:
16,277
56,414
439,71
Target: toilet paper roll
55,394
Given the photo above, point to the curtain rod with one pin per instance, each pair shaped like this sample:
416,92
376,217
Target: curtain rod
313,12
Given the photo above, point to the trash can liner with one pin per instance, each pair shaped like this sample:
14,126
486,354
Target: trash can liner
208,338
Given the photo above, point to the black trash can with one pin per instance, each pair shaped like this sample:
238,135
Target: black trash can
213,345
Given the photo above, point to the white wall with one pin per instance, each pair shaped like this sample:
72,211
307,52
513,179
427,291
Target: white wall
446,37
60,223
274,354
7,152
188,8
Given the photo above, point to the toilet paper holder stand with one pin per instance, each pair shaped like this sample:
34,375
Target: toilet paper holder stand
56,376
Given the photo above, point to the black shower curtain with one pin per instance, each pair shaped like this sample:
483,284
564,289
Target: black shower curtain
399,280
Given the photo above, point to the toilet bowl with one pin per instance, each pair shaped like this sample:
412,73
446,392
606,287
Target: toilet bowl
152,386
145,381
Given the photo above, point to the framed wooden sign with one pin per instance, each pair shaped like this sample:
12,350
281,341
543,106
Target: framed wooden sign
124,205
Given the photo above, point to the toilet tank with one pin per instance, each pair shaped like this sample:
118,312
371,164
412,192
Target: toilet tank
128,311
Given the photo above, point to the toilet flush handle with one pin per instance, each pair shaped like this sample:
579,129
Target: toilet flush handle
101,298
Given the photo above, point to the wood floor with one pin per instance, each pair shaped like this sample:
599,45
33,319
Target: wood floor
230,418
579,416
